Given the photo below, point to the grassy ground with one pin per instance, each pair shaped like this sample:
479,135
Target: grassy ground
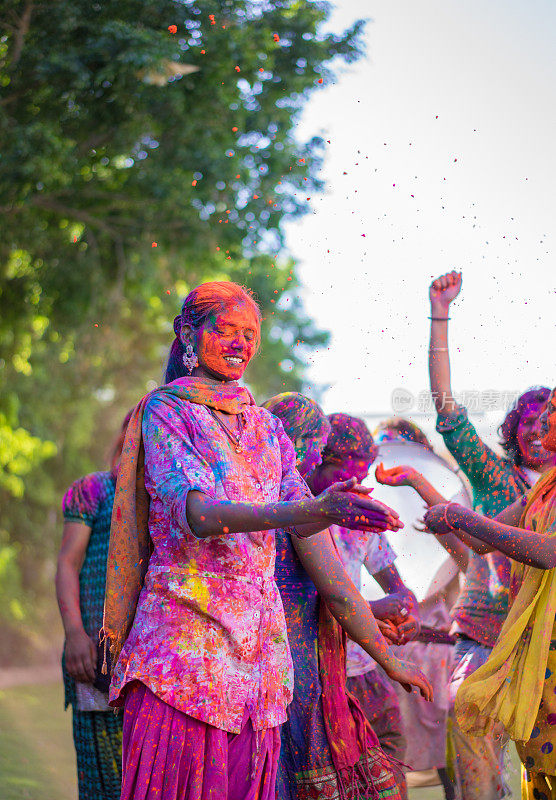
437,793
427,793
37,759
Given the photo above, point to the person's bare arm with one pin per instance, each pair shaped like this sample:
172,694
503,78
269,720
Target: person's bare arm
529,547
408,476
335,587
338,504
511,515
442,291
456,544
390,581
481,548
80,650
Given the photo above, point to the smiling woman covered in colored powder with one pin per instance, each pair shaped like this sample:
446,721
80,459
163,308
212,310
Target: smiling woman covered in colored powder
497,481
517,685
204,671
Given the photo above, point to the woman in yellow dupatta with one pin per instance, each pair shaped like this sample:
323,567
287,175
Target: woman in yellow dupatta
516,688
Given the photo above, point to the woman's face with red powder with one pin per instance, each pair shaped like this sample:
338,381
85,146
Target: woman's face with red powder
548,424
528,434
226,343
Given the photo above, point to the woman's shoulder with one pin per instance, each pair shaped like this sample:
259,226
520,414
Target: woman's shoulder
264,416
86,494
94,482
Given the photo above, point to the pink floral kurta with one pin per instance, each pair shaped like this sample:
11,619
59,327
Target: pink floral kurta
209,636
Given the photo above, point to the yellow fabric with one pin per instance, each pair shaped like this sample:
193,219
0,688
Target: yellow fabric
537,785
508,688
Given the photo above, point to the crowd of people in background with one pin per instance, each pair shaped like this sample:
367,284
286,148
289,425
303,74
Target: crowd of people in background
217,644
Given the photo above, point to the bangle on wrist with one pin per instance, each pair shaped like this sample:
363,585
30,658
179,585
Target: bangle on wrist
440,319
446,520
438,348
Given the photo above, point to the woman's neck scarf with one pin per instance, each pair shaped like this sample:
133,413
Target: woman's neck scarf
130,543
508,689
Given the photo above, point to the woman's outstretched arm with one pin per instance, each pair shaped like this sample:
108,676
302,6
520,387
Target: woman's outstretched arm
184,480
335,587
337,505
408,476
528,547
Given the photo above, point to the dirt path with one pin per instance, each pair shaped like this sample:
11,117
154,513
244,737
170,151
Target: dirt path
25,676
37,758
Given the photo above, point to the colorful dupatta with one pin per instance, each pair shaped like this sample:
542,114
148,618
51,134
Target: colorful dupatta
508,688
130,542
350,736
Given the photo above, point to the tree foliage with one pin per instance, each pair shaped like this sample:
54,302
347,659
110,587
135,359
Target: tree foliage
145,147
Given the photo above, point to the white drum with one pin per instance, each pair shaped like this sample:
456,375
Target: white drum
419,554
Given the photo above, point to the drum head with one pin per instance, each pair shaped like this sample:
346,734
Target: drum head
419,554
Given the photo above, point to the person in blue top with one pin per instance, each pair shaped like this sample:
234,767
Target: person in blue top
80,585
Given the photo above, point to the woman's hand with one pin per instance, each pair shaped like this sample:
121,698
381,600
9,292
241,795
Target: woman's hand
395,607
408,675
81,656
349,505
396,476
409,628
443,290
388,630
443,518
419,525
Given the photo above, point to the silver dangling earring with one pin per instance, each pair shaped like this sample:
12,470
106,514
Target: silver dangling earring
189,358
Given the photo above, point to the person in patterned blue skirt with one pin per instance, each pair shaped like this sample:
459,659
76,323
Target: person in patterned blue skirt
80,584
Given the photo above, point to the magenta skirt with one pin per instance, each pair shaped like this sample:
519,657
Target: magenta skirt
168,755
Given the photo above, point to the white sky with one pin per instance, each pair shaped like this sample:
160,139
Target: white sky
441,81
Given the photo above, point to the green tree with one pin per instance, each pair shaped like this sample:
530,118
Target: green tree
117,134
145,147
